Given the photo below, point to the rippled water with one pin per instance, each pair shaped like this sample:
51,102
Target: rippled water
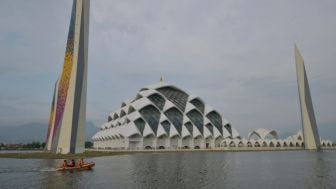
180,170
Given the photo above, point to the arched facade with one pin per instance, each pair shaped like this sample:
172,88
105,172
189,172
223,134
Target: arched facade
263,134
163,116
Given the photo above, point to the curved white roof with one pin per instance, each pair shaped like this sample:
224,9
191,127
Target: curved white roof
262,133
164,109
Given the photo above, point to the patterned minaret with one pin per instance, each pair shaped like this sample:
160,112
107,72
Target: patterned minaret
67,129
309,126
52,118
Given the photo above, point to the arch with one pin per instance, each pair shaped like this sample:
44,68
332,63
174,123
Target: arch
175,117
149,141
174,141
232,144
122,113
278,144
323,144
257,144
252,134
210,127
162,141
166,126
264,144
209,142
109,118
297,144
137,97
158,100
186,142
228,128
240,144
189,127
115,116
197,119
134,141
224,144
291,144
218,140
175,95
198,141
216,119
249,144
198,103
271,144
140,124
152,116
299,137
127,121
136,135
263,134
130,109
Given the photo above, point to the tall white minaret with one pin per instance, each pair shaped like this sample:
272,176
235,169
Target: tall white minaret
309,126
68,132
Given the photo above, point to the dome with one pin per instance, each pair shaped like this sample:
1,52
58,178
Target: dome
262,134
164,111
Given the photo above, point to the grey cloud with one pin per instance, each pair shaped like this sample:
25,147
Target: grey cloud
236,55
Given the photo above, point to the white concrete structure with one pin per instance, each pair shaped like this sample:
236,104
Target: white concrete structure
66,132
309,126
263,134
163,116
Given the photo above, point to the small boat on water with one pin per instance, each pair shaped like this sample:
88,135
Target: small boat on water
85,166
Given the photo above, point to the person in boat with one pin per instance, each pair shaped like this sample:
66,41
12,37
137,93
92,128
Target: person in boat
65,163
72,163
80,162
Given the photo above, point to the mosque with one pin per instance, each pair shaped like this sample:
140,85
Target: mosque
161,116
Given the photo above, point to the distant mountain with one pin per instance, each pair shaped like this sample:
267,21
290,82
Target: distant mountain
35,132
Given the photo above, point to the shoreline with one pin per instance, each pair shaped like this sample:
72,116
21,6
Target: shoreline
91,153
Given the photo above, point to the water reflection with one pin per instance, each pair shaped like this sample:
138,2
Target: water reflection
180,170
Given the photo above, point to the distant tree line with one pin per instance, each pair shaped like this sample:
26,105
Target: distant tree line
32,146
23,146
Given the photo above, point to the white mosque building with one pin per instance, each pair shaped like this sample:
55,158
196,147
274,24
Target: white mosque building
163,116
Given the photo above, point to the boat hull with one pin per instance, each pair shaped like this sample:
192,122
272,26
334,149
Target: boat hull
86,166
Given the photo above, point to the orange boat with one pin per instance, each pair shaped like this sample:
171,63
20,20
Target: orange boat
85,166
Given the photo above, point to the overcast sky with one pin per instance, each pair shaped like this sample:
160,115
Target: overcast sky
238,56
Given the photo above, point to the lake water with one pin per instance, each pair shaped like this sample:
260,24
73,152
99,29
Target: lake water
299,169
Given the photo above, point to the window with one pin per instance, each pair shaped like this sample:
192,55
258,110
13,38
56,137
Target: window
177,97
210,127
228,128
166,126
140,124
176,118
157,100
216,120
152,116
197,119
189,126
198,104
